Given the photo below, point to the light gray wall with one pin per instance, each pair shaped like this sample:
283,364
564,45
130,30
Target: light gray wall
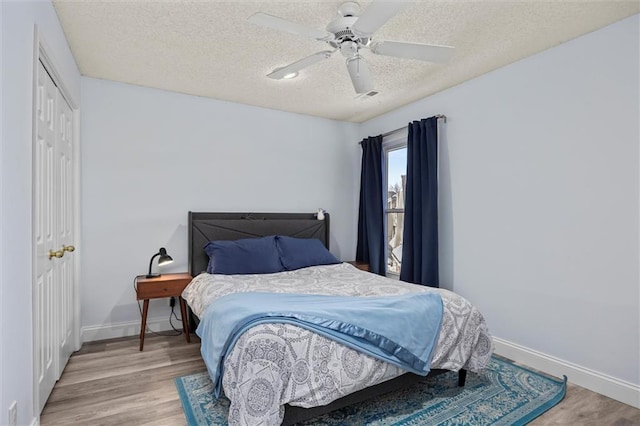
18,19
150,156
540,194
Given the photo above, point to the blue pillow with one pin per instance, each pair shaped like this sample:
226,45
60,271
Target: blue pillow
245,256
296,253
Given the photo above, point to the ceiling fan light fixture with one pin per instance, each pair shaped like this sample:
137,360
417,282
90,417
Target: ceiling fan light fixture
349,48
290,75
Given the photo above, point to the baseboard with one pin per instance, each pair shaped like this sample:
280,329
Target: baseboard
122,329
617,389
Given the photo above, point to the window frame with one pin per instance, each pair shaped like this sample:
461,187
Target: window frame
391,142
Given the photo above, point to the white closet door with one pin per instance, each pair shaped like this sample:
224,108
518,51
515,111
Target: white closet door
55,293
64,229
45,236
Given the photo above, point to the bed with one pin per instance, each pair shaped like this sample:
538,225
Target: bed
280,373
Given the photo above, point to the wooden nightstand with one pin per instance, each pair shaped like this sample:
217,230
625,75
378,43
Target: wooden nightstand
360,265
166,285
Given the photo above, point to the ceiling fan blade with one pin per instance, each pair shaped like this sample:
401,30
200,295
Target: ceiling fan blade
280,73
359,73
421,52
376,15
270,21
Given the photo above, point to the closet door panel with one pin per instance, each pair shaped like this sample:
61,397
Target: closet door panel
64,229
45,340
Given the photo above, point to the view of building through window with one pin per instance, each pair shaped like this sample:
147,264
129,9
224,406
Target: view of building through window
396,174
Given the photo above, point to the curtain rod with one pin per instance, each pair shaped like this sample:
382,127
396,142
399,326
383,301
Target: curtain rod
438,116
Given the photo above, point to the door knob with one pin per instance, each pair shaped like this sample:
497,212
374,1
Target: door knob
68,248
57,254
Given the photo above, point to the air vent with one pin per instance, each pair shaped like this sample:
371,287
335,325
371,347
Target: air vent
367,95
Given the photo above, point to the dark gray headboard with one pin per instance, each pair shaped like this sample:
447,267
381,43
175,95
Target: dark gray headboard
205,227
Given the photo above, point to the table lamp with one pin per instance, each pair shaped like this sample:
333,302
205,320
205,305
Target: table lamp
165,259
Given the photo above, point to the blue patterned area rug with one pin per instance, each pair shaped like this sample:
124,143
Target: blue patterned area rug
504,394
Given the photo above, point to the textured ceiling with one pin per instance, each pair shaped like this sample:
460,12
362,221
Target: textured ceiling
207,48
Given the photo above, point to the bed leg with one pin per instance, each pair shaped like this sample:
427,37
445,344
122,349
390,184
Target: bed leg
462,377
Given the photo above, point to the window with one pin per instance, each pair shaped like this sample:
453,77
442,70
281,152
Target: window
395,181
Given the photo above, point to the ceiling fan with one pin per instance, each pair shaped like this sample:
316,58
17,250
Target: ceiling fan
349,33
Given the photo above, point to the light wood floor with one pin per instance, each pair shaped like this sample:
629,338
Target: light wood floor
113,383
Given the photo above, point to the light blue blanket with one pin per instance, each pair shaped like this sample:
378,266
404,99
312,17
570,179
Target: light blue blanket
401,330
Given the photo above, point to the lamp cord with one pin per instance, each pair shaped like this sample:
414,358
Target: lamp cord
158,333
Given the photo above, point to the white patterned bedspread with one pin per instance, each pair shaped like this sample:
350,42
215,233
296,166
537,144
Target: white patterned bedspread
276,364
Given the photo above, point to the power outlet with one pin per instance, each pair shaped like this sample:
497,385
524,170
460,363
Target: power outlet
13,414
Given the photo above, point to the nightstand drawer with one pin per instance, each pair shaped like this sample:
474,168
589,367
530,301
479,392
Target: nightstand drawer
170,285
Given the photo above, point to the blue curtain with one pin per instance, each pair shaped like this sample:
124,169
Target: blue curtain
371,239
420,236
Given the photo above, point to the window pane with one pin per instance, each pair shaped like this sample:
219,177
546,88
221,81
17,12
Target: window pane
396,174
396,178
395,223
